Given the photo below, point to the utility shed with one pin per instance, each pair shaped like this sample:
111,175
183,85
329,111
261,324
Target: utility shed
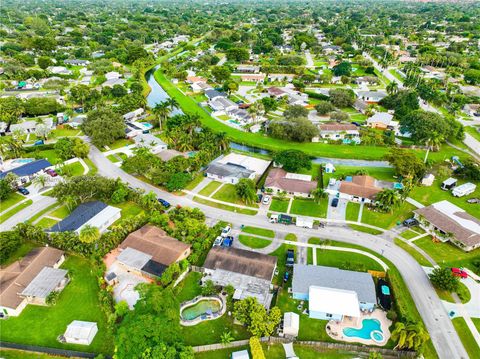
291,324
79,332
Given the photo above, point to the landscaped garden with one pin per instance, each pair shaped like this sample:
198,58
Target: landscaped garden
229,194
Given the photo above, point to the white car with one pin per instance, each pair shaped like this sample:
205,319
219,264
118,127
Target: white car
218,241
226,231
266,200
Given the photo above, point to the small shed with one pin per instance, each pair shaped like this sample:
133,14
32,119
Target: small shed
242,354
79,332
329,168
291,323
428,180
304,222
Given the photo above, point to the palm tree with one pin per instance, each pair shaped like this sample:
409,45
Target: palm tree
41,180
172,103
318,194
388,199
162,111
89,234
226,338
433,142
222,141
409,336
392,88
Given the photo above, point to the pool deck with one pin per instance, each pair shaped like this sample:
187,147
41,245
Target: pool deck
336,329
187,323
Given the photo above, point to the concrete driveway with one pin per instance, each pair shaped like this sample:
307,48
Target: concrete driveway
338,212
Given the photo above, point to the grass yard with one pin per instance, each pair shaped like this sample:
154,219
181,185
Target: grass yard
416,255
15,210
220,354
20,354
19,253
449,255
411,233
189,287
251,212
253,242
308,207
92,168
209,188
46,223
50,155
12,199
60,212
65,132
466,337
345,260
113,158
228,194
42,212
259,231
463,294
78,301
129,209
71,170
476,321
387,220
195,182
122,142
291,237
432,194
279,205
352,210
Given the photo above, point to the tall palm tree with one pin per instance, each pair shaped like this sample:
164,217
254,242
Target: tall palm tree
392,87
318,194
89,234
172,103
41,180
162,111
388,199
222,141
433,142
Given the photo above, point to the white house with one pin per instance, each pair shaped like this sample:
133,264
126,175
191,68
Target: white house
112,75
232,167
153,143
59,70
382,121
371,96
80,332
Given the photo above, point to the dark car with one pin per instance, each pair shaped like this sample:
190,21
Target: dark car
356,124
410,222
335,202
23,191
286,276
290,257
164,203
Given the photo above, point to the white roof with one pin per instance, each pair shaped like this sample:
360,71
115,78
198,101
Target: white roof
148,140
454,212
45,282
297,176
257,165
105,215
291,320
449,181
383,117
80,330
333,301
243,354
465,186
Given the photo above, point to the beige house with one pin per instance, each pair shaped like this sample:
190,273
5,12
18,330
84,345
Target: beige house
279,180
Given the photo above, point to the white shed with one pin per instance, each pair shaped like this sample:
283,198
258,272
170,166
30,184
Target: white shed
79,332
242,354
428,180
329,168
291,324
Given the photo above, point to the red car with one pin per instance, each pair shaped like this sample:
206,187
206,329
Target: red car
51,172
459,273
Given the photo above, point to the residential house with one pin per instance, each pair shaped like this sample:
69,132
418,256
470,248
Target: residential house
233,167
134,115
338,131
360,106
251,69
472,109
294,184
59,70
213,94
383,121
371,96
167,155
447,222
200,86
333,293
149,251
250,273
76,62
153,143
359,188
77,121
240,115
281,77
252,77
27,171
222,104
28,272
96,214
112,82
276,92
31,126
112,75
366,80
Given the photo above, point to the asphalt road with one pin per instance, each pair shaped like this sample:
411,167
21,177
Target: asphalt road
443,334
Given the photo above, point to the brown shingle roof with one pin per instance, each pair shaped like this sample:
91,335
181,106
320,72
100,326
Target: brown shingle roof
17,276
361,186
338,127
155,242
241,261
276,178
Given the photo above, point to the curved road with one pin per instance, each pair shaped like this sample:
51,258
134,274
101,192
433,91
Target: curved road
443,334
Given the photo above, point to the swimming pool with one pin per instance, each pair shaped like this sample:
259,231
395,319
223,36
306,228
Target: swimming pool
23,160
147,125
370,329
201,308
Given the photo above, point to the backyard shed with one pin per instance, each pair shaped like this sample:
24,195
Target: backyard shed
242,354
428,180
291,324
80,332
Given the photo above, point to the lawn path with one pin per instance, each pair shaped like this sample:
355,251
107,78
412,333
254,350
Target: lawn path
289,204
217,201
216,190
360,212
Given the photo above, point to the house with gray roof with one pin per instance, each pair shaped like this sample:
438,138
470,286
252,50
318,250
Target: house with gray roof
371,96
322,286
151,142
47,281
228,172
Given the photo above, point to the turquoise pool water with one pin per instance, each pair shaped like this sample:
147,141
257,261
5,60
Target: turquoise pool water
370,330
206,306
23,160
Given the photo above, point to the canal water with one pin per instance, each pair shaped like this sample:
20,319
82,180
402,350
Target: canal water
158,94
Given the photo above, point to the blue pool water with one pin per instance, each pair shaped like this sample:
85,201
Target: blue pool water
147,125
23,160
370,330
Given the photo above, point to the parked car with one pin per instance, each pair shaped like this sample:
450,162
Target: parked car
286,276
458,272
226,231
51,173
266,200
290,257
473,200
38,143
356,123
335,202
260,197
410,222
23,191
218,241
228,241
164,203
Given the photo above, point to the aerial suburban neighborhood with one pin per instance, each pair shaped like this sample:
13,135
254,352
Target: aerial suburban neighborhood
240,179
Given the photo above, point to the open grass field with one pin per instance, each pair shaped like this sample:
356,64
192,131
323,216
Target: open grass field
348,261
78,301
449,255
129,209
308,207
466,337
50,155
259,231
279,205
253,242
11,200
209,188
15,210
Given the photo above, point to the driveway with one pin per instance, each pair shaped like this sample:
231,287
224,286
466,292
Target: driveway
338,212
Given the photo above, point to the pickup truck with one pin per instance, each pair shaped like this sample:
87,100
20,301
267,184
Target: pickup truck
290,257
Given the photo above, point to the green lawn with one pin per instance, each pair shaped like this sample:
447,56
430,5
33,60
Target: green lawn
259,231
42,212
50,155
463,294
308,207
476,321
46,223
91,166
346,260
411,233
61,212
113,158
432,194
291,237
65,132
224,206
449,255
15,210
12,199
253,242
71,170
129,209
228,194
120,143
78,301
352,210
473,131
387,220
466,337
195,182
279,205
414,253
209,188
189,288
19,354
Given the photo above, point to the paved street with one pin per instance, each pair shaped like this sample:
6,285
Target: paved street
442,332
39,203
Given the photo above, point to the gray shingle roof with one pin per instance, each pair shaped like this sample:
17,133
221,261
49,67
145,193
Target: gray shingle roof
79,216
305,276
45,282
228,170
